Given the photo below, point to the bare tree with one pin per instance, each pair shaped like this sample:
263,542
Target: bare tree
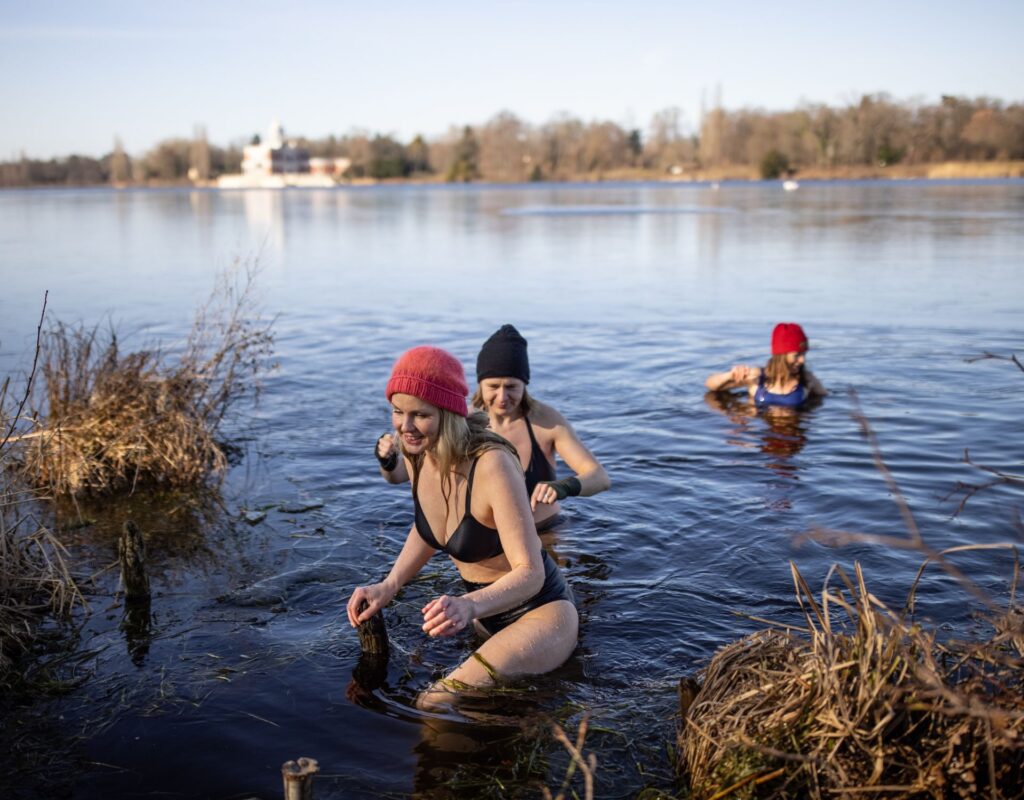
120,168
199,156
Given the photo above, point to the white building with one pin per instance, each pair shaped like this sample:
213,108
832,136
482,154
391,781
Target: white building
275,163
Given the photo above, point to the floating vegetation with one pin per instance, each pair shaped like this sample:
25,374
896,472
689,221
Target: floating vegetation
113,421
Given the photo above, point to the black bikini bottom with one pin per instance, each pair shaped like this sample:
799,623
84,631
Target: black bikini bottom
554,588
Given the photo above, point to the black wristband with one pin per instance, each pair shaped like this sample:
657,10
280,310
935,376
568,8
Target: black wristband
567,487
388,462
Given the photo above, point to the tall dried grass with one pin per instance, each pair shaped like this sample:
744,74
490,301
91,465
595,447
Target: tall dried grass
35,577
111,421
862,700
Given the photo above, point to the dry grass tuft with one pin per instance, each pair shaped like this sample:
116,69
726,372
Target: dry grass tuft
35,578
861,701
113,421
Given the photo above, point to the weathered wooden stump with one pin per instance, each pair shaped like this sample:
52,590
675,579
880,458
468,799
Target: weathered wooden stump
298,778
372,669
131,551
373,635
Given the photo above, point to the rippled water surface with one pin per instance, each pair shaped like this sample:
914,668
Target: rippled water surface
629,295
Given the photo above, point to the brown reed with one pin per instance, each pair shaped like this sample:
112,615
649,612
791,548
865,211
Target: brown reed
112,421
861,702
35,577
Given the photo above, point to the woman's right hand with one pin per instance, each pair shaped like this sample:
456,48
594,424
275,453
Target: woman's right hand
376,596
385,446
742,374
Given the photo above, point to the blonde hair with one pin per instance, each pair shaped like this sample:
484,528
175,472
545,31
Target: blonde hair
776,371
460,439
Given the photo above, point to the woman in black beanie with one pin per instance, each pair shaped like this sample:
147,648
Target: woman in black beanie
536,430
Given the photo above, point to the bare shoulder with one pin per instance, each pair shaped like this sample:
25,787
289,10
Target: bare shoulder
495,463
813,383
544,416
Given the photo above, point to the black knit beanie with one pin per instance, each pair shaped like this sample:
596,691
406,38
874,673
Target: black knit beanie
503,356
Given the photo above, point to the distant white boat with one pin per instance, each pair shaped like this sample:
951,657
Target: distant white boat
790,186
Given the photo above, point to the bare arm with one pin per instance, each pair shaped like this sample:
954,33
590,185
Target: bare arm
415,553
503,493
591,475
498,487
739,376
814,385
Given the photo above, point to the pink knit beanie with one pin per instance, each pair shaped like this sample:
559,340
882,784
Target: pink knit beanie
433,375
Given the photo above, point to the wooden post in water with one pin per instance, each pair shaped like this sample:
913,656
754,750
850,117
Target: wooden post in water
372,668
131,551
298,778
373,635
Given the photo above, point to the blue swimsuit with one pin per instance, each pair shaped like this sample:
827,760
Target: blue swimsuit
793,399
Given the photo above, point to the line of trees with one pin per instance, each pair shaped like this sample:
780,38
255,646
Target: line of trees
875,131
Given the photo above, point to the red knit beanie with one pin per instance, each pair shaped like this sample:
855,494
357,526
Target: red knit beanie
433,375
788,337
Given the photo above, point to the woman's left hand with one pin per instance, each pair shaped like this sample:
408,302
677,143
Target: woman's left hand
447,615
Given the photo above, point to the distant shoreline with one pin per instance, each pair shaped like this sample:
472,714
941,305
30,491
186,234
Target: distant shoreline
948,170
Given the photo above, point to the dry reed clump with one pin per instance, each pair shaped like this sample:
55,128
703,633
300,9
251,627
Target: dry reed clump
862,702
35,578
113,421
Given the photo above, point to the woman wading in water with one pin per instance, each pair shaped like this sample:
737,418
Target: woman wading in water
469,502
535,429
784,382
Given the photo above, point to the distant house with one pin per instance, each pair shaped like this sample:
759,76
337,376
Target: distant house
275,156
276,163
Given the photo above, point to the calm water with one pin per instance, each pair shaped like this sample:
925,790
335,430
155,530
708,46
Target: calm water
629,295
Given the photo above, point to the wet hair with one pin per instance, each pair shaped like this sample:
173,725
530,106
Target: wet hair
477,401
776,371
460,439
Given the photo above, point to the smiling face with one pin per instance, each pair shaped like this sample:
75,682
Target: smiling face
417,423
501,395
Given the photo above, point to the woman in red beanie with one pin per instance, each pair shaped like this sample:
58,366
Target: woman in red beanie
784,381
536,430
469,501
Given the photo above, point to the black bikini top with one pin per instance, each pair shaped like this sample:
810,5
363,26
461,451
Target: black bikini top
539,469
472,541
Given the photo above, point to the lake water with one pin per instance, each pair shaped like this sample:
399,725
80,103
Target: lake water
629,294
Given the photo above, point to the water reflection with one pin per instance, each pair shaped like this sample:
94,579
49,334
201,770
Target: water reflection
455,760
264,216
137,624
781,438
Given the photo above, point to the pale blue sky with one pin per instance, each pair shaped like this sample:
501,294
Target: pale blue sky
75,74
